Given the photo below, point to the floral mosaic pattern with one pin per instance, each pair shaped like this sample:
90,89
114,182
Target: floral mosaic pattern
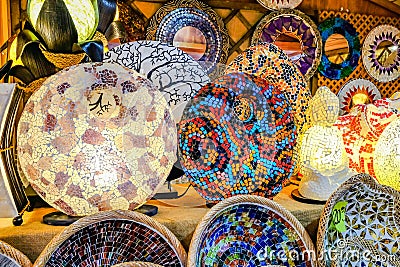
96,137
362,87
373,53
279,4
174,72
272,64
236,137
371,224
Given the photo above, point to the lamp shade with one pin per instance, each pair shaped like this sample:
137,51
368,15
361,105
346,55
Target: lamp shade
96,137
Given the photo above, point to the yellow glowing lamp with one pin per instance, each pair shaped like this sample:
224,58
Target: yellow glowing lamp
387,156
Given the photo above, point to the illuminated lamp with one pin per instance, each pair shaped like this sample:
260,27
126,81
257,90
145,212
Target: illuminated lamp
96,137
387,156
323,159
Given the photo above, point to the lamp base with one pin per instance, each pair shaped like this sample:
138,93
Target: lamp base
166,191
58,218
298,197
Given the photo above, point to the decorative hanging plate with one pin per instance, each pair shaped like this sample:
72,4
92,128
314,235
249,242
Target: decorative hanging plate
236,137
357,91
96,136
296,34
361,219
339,69
272,64
195,28
280,4
132,21
173,71
136,264
381,53
12,257
250,231
113,237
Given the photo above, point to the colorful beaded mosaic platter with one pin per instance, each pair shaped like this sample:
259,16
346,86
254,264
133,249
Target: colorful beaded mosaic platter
250,231
279,4
236,137
94,137
174,72
12,257
361,129
357,91
136,264
387,156
381,53
337,71
272,64
176,15
360,225
296,34
113,237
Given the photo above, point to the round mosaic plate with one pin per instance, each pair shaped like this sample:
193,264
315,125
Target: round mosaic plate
250,231
236,137
363,90
296,34
361,218
272,64
348,65
94,137
381,53
174,72
361,129
12,257
132,21
113,237
279,4
136,264
178,14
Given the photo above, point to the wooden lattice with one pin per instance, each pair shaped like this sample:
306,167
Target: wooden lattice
363,24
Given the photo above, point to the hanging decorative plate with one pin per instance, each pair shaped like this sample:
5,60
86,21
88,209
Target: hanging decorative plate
94,137
361,219
173,71
236,128
12,257
280,4
296,34
136,264
381,53
341,48
250,231
357,91
272,64
113,237
133,22
193,27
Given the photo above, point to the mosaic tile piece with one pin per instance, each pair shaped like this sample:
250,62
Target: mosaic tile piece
361,129
236,137
370,232
272,64
295,31
279,4
110,238
340,26
381,53
387,156
249,232
357,91
174,72
176,15
95,137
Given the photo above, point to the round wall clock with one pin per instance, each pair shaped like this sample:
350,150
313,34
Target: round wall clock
381,53
193,27
296,34
341,48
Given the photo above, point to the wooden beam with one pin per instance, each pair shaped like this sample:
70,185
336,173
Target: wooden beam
387,5
4,28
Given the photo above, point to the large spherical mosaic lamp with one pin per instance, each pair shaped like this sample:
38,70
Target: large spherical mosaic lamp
95,137
387,156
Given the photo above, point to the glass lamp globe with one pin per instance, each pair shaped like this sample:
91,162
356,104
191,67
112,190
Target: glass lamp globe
96,137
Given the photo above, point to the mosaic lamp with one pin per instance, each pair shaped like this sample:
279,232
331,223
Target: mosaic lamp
96,137
323,159
387,156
